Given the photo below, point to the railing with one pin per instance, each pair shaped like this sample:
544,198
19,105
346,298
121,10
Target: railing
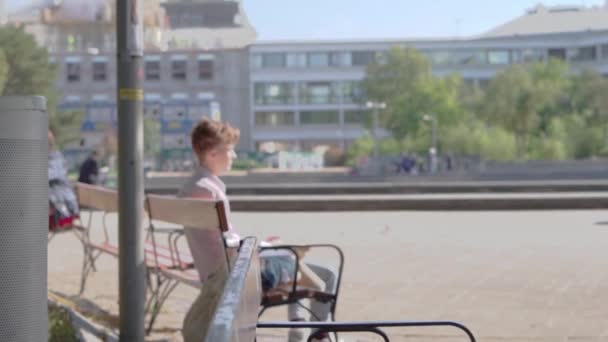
236,315
235,318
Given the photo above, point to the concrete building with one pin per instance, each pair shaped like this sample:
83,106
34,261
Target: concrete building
202,59
195,65
303,93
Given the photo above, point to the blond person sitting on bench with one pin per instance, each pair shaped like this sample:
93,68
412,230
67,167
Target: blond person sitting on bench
213,144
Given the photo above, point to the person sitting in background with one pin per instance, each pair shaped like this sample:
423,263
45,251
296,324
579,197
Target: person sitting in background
213,144
89,170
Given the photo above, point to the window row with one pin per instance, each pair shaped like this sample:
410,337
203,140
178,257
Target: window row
435,56
280,93
178,70
99,71
312,59
277,119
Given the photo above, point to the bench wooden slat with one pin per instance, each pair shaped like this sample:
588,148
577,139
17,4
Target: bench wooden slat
188,277
97,197
187,212
164,256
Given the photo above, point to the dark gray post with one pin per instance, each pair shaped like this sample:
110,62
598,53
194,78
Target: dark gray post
132,289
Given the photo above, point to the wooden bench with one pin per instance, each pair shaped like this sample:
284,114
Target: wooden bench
184,212
235,317
167,264
158,257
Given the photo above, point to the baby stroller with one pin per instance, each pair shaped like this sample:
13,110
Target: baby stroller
63,205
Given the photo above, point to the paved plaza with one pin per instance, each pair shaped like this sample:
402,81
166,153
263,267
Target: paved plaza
509,276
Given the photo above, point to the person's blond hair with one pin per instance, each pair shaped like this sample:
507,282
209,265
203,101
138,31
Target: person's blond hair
208,134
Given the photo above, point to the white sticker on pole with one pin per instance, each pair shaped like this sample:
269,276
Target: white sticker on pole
216,111
135,35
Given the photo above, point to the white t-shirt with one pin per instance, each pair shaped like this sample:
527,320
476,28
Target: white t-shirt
206,246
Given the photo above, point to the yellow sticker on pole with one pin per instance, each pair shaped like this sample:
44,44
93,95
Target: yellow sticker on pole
131,94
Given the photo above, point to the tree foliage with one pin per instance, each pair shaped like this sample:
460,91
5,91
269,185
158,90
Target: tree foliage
528,111
25,69
405,82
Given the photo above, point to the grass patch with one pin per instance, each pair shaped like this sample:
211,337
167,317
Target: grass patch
60,327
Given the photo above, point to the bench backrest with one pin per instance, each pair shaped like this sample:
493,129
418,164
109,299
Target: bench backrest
96,197
187,212
234,317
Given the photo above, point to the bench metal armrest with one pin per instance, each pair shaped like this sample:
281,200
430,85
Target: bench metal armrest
173,237
371,326
300,250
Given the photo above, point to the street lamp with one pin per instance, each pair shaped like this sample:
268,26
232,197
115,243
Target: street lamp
433,151
375,107
433,121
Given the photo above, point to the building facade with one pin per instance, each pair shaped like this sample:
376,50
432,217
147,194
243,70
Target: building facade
305,94
202,59
195,65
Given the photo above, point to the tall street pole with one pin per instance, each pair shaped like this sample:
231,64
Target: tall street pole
434,134
375,132
376,107
132,281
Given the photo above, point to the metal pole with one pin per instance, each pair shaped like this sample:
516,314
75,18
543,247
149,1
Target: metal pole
375,132
132,288
434,134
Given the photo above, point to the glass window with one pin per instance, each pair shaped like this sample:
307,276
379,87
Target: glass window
152,70
318,59
559,53
296,60
527,55
205,70
274,119
483,83
335,59
469,82
466,57
273,60
363,58
178,69
439,57
73,71
319,118
273,93
352,92
587,53
256,61
72,98
100,98
498,57
357,117
381,57
347,59
319,92
99,71
604,51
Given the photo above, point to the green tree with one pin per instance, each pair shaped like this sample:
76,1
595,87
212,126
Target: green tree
66,125
25,69
29,69
474,138
151,137
3,70
523,98
405,82
588,97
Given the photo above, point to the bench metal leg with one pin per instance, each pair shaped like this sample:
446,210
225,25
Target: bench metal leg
88,266
158,296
